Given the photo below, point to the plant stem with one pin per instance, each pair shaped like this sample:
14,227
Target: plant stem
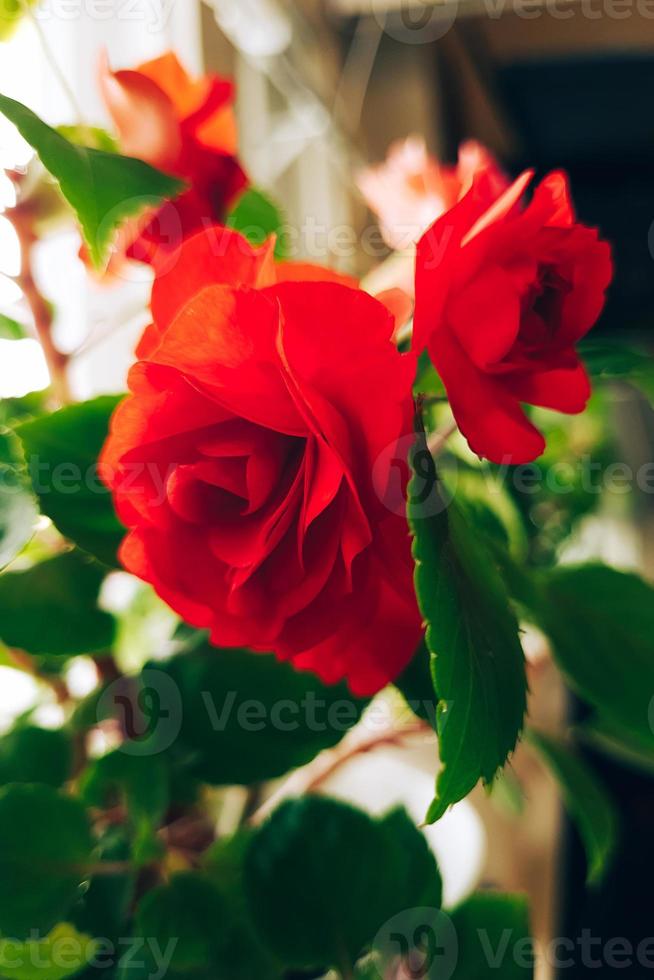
437,440
311,777
56,360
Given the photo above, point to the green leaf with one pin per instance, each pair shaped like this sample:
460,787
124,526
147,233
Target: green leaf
51,608
322,878
35,755
242,950
477,661
428,380
613,362
246,717
11,329
102,188
412,866
140,781
601,624
18,510
257,217
191,909
93,137
106,904
585,799
11,13
45,845
62,451
493,938
60,954
417,686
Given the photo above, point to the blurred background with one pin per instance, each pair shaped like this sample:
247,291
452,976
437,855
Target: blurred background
324,88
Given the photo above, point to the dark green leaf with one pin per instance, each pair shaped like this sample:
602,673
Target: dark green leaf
601,624
493,938
102,188
613,362
585,799
257,218
411,865
246,717
45,845
322,878
477,661
18,510
141,782
11,329
51,608
35,755
242,950
417,685
62,451
105,906
190,909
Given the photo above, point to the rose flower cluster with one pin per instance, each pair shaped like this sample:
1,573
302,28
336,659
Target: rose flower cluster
265,395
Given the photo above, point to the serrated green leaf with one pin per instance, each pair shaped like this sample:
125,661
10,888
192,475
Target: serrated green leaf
35,755
102,188
586,800
42,959
322,878
601,624
51,608
257,217
477,661
45,845
417,686
61,451
246,717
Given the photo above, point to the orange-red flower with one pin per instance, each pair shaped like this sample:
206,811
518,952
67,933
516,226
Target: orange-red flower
186,127
253,458
503,294
411,189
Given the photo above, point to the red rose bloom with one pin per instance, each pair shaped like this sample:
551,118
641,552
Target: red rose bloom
242,462
502,296
185,127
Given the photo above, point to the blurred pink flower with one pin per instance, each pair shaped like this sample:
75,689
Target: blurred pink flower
411,189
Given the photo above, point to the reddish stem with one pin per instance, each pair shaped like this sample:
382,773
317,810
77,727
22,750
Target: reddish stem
56,360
